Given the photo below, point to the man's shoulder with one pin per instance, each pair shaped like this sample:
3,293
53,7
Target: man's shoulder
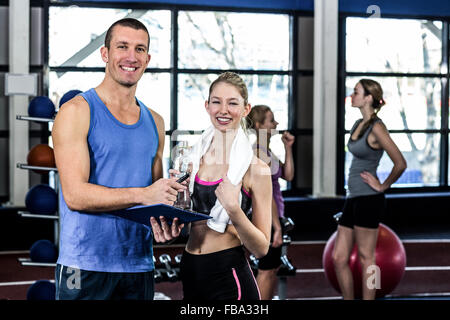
159,120
72,117
75,111
77,104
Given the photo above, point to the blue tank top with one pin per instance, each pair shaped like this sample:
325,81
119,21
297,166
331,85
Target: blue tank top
120,156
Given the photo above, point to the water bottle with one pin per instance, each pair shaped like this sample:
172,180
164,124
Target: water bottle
181,163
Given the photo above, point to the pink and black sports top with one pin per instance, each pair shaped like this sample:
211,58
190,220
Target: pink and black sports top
204,197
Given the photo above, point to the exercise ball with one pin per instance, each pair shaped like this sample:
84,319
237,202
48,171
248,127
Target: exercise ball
390,257
41,155
41,290
41,107
43,251
41,199
67,96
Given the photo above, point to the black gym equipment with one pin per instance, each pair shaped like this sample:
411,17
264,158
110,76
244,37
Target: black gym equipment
286,269
165,269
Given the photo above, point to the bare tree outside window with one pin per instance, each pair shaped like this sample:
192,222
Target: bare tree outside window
413,103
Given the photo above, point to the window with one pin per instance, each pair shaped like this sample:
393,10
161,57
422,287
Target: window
76,34
255,45
227,40
405,56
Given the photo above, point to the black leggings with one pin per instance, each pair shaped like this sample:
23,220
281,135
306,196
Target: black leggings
222,275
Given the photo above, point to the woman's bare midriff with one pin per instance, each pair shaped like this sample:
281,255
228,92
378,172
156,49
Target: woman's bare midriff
203,240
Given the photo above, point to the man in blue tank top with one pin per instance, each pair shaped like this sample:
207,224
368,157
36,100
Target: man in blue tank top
109,148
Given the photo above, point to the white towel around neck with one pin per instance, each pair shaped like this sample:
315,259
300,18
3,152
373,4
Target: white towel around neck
241,154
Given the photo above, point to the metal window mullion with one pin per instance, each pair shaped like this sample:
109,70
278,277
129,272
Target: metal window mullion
46,48
444,148
293,85
293,92
239,71
395,74
340,136
174,76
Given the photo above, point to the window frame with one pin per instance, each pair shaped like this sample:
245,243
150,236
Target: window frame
174,70
443,130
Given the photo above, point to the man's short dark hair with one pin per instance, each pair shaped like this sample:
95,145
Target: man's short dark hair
126,22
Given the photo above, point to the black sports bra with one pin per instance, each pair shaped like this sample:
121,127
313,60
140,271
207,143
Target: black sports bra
204,197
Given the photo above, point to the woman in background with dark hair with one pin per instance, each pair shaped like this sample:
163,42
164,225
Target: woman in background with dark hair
262,120
365,203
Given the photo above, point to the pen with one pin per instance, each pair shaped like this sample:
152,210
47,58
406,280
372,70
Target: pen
184,177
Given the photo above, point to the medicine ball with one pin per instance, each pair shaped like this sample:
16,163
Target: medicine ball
41,107
41,290
41,155
43,251
41,199
390,258
67,96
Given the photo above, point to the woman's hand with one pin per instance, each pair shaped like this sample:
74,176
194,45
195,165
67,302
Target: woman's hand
228,195
372,181
288,139
277,238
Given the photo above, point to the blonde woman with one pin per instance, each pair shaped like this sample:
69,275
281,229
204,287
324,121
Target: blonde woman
214,264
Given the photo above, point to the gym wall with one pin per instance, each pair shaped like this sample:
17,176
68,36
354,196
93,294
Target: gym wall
36,66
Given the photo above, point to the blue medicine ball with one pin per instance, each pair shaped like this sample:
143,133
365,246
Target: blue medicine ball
41,107
43,251
41,199
67,96
41,290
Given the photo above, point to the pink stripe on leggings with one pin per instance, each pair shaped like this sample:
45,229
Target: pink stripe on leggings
237,283
256,282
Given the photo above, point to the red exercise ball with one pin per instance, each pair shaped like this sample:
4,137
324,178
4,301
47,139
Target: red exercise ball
41,155
390,257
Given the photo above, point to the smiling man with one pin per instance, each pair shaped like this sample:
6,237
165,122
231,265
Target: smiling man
108,148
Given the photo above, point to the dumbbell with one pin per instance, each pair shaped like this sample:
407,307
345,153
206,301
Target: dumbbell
253,262
287,224
337,216
286,269
176,264
157,274
171,274
286,240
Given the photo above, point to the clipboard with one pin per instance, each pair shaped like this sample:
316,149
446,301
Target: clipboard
142,214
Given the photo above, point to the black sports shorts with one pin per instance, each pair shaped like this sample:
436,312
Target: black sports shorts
363,211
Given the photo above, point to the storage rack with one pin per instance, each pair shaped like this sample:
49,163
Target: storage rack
54,183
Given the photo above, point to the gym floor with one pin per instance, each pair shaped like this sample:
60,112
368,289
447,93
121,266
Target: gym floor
427,274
